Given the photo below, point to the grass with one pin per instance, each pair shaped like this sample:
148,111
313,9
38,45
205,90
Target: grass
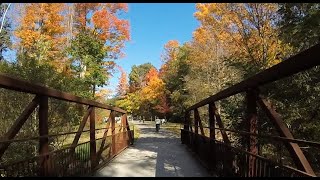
174,127
136,132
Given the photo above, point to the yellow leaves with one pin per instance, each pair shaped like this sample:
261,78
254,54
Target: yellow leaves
243,29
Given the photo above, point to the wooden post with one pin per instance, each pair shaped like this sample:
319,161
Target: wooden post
93,152
212,136
252,121
45,165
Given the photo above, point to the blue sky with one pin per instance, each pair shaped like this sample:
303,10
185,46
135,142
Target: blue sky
152,25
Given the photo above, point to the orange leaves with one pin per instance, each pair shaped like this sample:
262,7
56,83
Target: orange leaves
108,24
171,50
82,9
109,27
151,75
115,7
154,87
123,83
171,45
41,30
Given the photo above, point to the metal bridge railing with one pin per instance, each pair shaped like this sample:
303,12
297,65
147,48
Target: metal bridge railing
75,159
227,160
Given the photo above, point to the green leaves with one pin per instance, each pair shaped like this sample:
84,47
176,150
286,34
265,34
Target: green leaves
88,58
299,24
137,75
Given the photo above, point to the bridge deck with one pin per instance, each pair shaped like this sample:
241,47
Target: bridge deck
154,155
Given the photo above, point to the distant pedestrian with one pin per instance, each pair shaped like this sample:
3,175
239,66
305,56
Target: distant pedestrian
158,122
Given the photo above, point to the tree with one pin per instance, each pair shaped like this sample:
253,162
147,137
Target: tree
81,11
87,52
246,32
170,51
163,106
42,22
104,29
122,87
172,72
131,103
111,28
299,24
154,87
5,31
137,76
151,93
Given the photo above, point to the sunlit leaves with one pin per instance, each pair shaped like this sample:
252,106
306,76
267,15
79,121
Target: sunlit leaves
246,30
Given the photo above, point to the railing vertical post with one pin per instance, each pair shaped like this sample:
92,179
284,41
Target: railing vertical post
93,152
212,136
45,165
185,134
196,121
196,130
186,120
113,126
252,121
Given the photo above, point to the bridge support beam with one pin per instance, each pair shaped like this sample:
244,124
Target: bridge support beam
295,151
212,136
93,151
45,165
252,122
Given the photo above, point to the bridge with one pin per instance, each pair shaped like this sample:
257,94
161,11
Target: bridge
218,154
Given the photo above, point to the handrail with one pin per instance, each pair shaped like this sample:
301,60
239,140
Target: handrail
265,136
300,62
54,135
32,88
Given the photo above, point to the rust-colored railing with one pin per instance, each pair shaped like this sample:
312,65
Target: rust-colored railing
227,160
77,159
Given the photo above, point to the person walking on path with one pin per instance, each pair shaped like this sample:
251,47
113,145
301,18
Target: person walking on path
158,121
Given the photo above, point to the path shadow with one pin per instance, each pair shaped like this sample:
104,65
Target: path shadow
159,154
173,158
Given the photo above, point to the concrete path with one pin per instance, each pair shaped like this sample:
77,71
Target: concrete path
154,155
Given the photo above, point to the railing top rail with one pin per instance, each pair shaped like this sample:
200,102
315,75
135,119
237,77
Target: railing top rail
300,62
27,87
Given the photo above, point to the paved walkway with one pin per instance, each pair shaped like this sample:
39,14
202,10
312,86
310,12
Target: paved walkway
154,155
